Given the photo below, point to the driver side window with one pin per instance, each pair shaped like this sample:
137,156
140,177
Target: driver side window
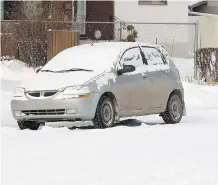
132,57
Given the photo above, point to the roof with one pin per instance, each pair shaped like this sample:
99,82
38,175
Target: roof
197,3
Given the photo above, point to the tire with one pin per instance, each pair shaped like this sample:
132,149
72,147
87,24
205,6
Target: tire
174,110
105,113
32,125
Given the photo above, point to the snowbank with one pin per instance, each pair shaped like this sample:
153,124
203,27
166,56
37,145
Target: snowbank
14,70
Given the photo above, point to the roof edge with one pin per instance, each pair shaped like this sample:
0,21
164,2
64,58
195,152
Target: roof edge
194,5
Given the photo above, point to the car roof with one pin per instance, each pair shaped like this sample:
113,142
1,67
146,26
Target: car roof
118,45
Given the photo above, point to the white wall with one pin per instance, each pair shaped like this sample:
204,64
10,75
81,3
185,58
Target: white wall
209,32
174,11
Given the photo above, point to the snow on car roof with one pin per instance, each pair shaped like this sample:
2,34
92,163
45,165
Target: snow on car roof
90,56
117,45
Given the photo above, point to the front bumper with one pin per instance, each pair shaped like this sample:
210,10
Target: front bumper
55,109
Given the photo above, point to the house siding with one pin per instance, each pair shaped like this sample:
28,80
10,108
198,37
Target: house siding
174,11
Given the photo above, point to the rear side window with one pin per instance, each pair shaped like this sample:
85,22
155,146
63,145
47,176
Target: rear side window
153,56
132,57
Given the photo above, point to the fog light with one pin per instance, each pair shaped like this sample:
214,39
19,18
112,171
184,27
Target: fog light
17,113
71,111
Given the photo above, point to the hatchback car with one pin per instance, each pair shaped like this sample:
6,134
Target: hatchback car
101,82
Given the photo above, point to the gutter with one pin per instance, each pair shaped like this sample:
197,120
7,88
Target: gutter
202,14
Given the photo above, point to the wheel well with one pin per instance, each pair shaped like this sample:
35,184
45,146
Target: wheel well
114,101
176,91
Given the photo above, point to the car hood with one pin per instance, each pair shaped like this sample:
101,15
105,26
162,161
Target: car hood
55,81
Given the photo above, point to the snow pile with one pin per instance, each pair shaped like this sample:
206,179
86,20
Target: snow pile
14,70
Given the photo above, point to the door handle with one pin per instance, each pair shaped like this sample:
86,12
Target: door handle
144,75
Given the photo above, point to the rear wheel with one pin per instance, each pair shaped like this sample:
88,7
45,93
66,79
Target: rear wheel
105,113
32,125
174,110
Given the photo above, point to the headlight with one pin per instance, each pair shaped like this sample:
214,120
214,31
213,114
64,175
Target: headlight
19,92
75,92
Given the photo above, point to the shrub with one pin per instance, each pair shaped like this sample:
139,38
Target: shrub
207,64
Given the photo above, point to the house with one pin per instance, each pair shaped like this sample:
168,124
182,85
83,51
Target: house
74,11
206,13
105,11
151,17
23,22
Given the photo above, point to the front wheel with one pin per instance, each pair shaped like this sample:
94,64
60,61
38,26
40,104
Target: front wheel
174,110
105,113
32,125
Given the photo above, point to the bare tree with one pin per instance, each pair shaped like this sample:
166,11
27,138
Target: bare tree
32,45
33,10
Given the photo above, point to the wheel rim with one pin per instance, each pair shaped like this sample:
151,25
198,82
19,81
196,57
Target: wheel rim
176,107
107,113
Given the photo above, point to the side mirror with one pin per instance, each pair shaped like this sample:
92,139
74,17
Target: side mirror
126,69
39,69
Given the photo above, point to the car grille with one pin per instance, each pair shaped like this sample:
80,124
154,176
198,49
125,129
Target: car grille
44,112
42,93
34,94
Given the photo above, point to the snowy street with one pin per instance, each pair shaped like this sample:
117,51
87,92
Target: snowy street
139,151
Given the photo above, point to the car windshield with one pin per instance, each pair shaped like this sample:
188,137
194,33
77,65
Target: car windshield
82,58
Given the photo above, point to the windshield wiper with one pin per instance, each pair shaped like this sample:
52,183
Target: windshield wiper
74,69
67,70
48,71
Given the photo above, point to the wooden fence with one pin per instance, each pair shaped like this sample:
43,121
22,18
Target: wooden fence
8,46
27,40
60,40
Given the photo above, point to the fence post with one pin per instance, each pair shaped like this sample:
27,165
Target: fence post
196,48
120,31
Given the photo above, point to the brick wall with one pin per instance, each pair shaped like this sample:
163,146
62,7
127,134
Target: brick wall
100,11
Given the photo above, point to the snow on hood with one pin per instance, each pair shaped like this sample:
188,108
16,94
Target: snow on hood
88,57
55,81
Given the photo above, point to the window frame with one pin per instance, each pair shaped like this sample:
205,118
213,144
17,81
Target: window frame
119,62
162,56
154,2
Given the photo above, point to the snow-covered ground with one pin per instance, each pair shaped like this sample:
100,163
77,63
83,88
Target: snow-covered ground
139,151
185,66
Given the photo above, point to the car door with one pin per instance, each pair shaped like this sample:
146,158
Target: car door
159,73
136,80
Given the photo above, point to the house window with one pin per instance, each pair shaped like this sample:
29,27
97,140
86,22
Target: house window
155,2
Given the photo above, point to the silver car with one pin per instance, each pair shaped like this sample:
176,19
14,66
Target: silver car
101,82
